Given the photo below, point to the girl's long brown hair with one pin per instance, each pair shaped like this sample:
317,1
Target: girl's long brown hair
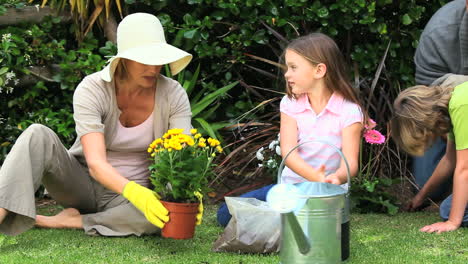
319,48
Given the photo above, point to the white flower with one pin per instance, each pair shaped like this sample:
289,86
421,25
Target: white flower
270,163
29,32
16,81
272,145
279,137
278,150
10,75
6,37
260,165
9,89
259,154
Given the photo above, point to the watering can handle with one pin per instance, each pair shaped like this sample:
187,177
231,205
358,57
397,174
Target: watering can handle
348,174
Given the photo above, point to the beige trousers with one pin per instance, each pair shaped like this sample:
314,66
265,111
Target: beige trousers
38,157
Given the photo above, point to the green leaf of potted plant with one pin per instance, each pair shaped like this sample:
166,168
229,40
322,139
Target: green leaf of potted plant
180,171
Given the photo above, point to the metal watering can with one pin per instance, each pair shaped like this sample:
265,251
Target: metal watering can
314,218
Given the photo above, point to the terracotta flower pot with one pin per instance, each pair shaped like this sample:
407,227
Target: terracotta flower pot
182,220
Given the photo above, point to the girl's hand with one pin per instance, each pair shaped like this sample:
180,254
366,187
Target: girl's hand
321,173
333,179
440,227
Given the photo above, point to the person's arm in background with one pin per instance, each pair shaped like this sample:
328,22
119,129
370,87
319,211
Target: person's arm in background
351,138
460,197
288,140
458,111
442,173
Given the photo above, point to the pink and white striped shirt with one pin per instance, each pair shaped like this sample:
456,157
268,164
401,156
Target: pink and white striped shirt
326,126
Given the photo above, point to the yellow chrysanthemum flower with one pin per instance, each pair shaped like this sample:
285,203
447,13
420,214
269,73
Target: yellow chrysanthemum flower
190,142
219,149
175,131
150,150
201,144
214,142
197,136
193,131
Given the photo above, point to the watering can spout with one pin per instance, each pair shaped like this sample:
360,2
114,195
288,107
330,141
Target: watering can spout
301,239
285,198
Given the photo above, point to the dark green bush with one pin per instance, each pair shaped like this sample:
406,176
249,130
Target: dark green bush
45,101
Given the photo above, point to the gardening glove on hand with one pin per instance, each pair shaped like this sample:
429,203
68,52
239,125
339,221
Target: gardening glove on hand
147,202
200,207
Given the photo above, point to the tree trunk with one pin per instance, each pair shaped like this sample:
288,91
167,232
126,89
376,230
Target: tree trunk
38,73
29,14
110,29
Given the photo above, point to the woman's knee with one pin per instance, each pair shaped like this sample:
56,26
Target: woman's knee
37,130
38,135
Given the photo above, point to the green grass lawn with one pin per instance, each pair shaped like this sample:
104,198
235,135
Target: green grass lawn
374,239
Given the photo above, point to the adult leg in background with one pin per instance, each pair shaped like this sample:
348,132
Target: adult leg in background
39,156
445,207
424,166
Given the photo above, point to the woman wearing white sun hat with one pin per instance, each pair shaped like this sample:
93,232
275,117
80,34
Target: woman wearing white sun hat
102,179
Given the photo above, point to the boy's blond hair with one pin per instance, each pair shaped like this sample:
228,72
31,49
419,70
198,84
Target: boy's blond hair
420,115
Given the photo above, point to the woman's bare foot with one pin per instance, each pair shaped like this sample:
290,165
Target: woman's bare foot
3,213
68,218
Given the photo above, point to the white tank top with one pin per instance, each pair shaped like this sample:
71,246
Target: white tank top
128,152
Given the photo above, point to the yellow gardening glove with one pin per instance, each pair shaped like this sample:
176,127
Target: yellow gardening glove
147,202
200,207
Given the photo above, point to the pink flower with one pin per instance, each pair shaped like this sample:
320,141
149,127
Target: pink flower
370,124
374,137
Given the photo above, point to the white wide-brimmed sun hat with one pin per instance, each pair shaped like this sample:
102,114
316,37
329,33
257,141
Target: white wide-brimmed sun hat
140,37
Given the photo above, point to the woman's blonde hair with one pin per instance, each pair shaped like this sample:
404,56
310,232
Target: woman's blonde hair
121,71
420,115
